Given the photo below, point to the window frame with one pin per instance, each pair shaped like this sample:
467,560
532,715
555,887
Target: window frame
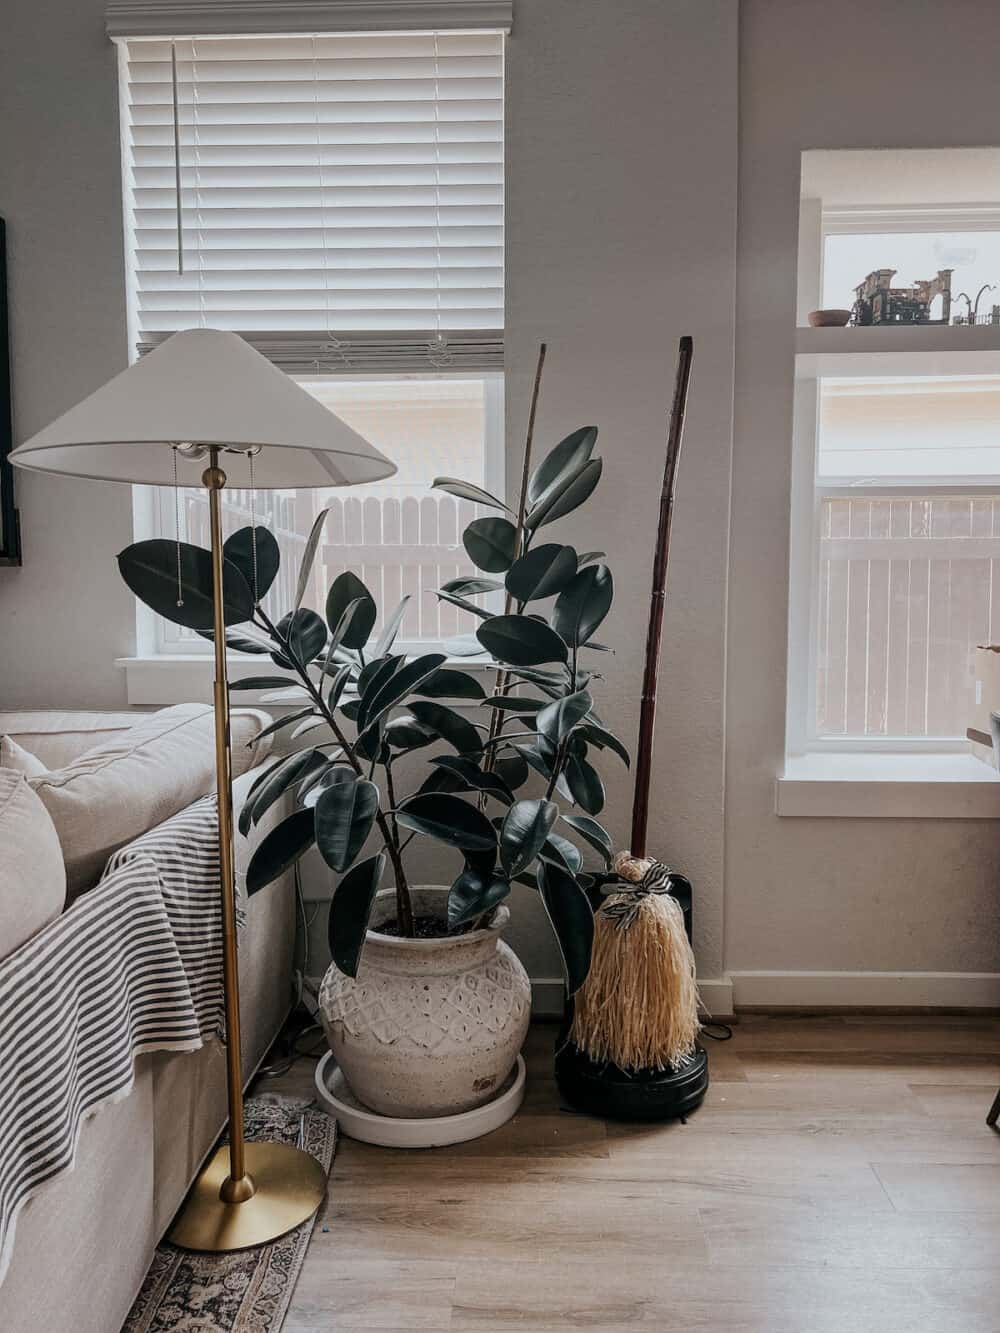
807,492
153,516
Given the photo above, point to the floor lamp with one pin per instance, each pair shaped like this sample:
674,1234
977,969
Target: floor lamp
199,399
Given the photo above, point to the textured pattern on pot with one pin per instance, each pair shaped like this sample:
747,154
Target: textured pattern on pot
429,1027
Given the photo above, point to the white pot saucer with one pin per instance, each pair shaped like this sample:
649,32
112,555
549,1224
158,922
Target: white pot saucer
358,1122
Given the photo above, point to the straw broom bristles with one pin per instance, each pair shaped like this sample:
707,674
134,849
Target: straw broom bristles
639,1004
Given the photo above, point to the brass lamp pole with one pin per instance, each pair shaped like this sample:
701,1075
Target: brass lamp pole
200,394
248,1193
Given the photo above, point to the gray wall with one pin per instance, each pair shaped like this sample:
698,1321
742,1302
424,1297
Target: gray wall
637,132
831,894
65,615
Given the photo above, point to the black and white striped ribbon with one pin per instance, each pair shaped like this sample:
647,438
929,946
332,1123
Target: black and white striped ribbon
626,898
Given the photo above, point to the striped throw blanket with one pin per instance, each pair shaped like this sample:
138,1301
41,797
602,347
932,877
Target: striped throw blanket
134,965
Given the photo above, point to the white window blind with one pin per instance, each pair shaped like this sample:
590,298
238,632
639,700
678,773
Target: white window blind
337,199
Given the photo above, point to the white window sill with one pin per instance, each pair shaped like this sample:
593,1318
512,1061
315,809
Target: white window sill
889,786
180,678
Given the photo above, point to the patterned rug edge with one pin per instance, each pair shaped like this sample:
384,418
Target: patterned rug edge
248,1291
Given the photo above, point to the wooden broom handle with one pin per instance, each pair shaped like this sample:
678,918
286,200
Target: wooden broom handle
654,632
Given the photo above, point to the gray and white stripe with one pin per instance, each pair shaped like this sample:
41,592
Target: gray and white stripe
133,966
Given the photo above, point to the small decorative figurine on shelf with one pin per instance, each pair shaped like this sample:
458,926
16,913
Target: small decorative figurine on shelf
878,302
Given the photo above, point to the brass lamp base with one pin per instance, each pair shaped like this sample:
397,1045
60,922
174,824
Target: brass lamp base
290,1185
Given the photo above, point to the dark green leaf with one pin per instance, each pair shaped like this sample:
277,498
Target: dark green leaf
564,495
439,779
491,543
563,852
515,703
289,771
360,608
604,740
308,556
521,640
279,849
583,604
589,557
449,819
470,587
474,777
525,828
470,608
391,628
572,920
589,829
567,457
306,634
150,570
533,757
399,685
406,733
558,719
261,682
239,549
513,770
337,687
465,490
449,725
450,684
281,723
381,667
344,589
345,813
543,572
585,785
472,894
350,908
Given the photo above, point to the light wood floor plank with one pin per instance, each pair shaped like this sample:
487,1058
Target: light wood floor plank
839,1179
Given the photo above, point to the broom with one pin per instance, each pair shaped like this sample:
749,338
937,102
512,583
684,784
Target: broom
639,1005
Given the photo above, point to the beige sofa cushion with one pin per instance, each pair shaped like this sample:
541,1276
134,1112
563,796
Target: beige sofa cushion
17,760
57,737
118,790
32,875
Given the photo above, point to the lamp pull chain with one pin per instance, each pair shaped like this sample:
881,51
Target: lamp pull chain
177,528
253,531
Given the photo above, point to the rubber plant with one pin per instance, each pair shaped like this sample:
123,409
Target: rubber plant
365,706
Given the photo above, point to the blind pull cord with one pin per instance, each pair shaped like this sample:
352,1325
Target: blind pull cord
177,158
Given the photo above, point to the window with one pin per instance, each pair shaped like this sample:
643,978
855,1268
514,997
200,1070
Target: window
399,536
338,201
896,478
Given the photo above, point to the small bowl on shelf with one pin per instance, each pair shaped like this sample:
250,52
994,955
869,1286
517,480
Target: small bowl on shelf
829,319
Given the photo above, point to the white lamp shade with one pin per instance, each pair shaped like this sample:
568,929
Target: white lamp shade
204,387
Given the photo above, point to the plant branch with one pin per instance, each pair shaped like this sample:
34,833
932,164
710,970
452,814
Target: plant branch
503,677
404,909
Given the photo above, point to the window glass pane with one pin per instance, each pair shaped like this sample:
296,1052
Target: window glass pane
399,536
974,257
909,429
905,594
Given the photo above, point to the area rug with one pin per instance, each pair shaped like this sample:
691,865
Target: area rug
247,1291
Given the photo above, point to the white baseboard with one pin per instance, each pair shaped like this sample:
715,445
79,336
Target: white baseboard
866,990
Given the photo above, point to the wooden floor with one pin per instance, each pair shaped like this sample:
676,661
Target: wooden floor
838,1179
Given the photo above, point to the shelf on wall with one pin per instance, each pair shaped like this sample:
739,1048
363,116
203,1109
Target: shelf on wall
933,349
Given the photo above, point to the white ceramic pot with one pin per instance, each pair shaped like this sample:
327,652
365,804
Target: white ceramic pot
428,1027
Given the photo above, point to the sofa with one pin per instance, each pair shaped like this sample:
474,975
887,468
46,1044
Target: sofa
83,1242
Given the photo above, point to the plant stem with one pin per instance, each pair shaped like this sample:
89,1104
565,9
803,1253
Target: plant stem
404,908
501,684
